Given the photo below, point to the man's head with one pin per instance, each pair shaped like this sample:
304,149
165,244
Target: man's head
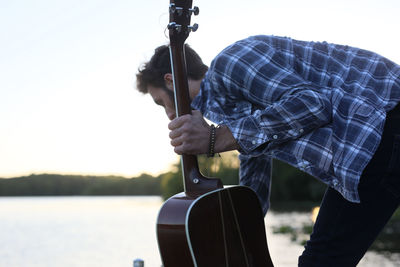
155,78
153,72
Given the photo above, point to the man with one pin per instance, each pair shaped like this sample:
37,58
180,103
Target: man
329,110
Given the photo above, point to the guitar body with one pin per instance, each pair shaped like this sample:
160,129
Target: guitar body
207,225
222,228
171,231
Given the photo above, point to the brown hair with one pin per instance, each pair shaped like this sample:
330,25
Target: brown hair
153,72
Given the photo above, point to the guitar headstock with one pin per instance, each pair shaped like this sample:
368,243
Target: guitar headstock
180,12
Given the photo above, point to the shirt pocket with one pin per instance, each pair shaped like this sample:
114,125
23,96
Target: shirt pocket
351,105
237,109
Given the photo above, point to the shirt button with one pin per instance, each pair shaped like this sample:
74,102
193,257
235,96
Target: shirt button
275,136
253,142
301,130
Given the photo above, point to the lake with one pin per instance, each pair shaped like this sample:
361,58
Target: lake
113,231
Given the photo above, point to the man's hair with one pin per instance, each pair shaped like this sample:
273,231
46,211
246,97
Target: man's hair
152,72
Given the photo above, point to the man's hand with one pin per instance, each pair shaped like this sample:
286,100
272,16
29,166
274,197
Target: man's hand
190,134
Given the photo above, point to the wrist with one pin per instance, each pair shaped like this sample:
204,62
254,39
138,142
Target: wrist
211,142
224,140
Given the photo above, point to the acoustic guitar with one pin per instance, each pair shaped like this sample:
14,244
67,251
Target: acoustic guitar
207,225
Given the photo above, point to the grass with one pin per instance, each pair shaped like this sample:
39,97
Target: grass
387,241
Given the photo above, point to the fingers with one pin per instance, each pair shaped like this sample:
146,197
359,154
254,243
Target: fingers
189,134
177,133
178,122
184,149
189,146
178,126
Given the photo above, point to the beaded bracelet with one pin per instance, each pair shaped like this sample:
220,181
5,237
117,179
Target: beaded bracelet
211,146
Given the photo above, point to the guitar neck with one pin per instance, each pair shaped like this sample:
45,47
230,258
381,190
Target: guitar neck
181,86
194,181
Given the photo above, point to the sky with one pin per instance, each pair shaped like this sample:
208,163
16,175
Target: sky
68,102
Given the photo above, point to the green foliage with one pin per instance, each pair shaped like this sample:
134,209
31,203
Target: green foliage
291,184
288,184
224,167
55,184
295,233
171,183
283,229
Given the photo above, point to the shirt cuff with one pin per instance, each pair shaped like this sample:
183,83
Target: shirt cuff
247,134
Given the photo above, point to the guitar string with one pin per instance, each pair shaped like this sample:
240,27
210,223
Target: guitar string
223,229
238,229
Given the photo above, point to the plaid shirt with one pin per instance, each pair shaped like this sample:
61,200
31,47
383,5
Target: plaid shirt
320,107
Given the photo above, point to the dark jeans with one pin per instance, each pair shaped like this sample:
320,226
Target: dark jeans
344,231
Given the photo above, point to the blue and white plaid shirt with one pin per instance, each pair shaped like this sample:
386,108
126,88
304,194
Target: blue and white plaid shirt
320,107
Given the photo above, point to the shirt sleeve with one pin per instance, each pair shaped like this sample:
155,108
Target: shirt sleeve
291,117
286,106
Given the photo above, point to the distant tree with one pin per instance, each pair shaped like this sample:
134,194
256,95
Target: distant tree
288,183
55,184
291,184
171,182
224,167
144,184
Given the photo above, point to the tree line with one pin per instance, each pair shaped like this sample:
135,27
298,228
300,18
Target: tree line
288,183
56,185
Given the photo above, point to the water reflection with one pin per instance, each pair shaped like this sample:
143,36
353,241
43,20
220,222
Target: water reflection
314,214
112,231
289,231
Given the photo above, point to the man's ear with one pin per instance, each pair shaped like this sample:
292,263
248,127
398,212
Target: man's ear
168,79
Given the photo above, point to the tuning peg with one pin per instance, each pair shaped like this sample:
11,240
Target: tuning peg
175,26
173,8
194,27
195,10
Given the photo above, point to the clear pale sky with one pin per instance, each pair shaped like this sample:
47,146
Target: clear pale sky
67,72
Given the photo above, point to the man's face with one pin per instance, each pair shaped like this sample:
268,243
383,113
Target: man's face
163,98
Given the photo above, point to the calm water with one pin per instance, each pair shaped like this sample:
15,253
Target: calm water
110,231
